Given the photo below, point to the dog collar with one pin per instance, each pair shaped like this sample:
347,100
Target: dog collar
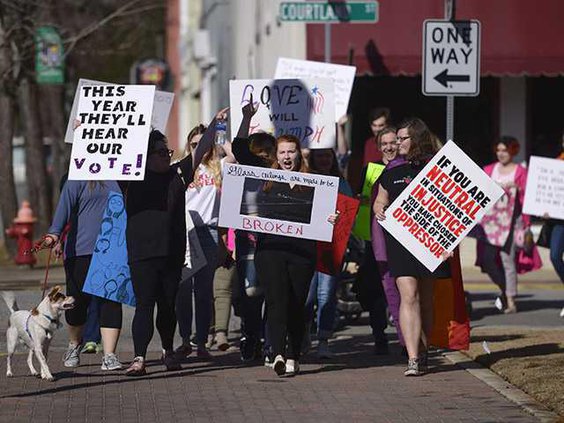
56,321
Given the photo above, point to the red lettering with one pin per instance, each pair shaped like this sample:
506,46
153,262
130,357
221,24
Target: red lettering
433,173
419,193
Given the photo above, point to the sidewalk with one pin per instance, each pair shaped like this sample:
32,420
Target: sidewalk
355,386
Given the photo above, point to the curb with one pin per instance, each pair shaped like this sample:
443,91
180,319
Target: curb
512,393
25,285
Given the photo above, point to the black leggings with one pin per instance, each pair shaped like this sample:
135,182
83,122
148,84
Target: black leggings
155,281
76,270
286,277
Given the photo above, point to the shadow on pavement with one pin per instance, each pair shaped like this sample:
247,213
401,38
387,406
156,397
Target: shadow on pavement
528,351
350,353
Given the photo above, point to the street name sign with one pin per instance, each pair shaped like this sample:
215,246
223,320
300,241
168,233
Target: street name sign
329,12
451,58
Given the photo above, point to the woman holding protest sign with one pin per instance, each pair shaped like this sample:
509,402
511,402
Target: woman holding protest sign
323,288
156,242
202,206
286,264
415,282
501,248
82,204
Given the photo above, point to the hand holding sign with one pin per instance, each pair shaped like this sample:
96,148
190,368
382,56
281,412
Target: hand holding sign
440,206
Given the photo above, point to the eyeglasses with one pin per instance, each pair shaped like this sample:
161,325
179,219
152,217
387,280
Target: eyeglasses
402,139
163,152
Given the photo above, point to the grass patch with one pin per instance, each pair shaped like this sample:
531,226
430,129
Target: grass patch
532,360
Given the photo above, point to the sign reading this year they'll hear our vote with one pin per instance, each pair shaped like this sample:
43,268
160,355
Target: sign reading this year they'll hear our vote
111,141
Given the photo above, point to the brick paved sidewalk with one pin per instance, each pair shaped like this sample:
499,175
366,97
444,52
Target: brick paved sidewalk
355,386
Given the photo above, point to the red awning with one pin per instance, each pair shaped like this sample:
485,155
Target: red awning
519,37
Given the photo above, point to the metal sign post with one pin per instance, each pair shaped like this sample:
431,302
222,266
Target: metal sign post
364,11
451,60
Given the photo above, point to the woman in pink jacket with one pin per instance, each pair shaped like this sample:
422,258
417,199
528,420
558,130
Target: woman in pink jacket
501,252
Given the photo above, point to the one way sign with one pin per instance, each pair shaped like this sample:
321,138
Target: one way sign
451,58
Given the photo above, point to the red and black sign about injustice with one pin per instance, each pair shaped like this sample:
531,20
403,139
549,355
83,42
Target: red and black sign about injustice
441,205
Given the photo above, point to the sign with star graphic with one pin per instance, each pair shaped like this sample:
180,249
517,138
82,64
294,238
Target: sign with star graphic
341,75
304,108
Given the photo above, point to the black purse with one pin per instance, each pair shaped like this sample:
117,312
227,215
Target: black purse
544,236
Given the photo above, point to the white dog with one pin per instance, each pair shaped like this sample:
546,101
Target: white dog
35,328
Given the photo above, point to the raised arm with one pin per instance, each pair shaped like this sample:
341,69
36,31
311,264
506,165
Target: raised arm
248,111
208,138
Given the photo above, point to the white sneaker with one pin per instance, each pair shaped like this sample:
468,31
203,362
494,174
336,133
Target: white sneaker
292,367
110,362
279,365
562,312
323,350
268,363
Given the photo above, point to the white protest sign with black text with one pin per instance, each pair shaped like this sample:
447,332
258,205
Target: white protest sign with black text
111,141
441,205
544,193
161,108
278,202
303,108
451,58
341,75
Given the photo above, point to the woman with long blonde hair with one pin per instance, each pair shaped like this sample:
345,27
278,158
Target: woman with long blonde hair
202,206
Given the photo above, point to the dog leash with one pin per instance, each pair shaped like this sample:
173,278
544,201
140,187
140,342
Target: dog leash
40,245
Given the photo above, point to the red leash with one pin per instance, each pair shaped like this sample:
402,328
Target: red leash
40,245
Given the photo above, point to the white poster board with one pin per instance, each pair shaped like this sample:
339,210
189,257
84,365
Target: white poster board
304,108
161,108
111,142
194,259
341,75
441,205
247,205
544,192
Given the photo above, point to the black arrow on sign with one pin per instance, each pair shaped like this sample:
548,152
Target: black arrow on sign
444,78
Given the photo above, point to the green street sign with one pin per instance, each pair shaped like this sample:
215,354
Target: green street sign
329,12
49,61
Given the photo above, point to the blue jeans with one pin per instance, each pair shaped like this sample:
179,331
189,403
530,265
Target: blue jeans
323,291
201,284
91,331
557,249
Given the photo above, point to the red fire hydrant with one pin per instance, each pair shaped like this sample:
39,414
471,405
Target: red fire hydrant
22,230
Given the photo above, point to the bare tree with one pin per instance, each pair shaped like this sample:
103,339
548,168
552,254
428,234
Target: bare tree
8,203
102,39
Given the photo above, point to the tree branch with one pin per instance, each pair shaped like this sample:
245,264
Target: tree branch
97,25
